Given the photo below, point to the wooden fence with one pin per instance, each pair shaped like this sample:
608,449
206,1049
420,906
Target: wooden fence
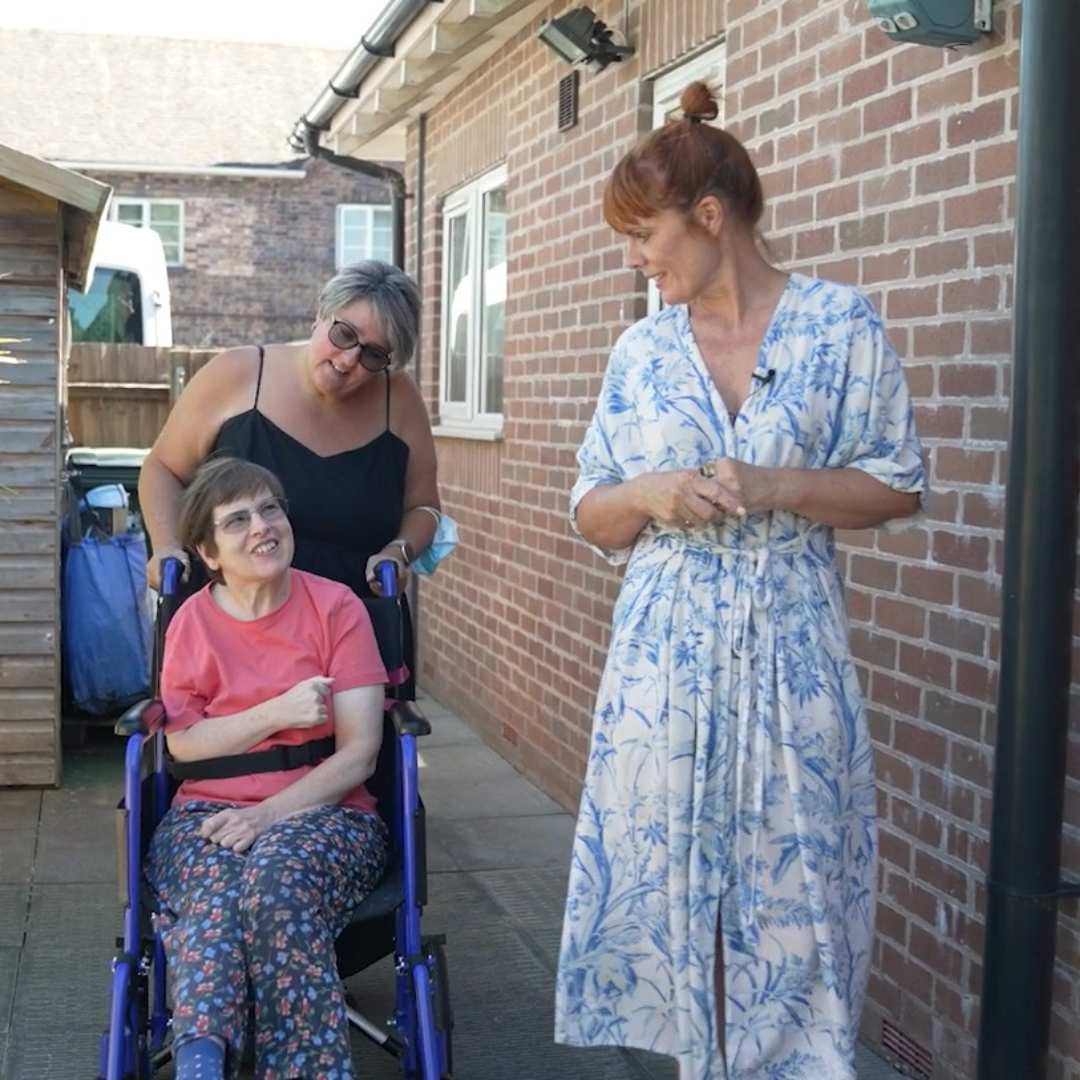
120,395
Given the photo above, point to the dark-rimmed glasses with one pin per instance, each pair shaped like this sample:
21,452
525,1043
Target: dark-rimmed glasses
239,521
343,336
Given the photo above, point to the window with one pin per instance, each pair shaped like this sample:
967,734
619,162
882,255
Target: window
164,216
110,310
474,305
705,67
363,232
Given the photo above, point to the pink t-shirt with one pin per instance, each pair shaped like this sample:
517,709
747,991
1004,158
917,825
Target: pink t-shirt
217,665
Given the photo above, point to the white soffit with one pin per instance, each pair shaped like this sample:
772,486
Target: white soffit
433,56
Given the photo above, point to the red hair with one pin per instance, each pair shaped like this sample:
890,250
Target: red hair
679,164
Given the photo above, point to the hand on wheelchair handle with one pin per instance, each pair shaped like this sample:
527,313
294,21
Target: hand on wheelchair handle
157,576
386,574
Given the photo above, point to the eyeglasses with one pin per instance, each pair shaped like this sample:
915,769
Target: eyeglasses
239,521
372,357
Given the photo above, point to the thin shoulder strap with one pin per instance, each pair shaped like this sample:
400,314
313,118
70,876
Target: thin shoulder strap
258,381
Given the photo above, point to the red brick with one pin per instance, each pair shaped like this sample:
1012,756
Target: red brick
968,380
941,257
927,583
943,174
976,125
964,466
983,207
918,141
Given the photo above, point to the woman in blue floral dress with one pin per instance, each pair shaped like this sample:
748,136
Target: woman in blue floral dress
721,895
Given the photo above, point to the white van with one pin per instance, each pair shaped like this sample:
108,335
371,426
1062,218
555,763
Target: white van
127,300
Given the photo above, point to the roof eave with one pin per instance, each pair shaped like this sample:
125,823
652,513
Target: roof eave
84,201
384,84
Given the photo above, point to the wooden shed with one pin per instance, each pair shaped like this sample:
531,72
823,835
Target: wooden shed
48,222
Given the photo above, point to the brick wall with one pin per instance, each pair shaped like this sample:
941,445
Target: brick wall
887,166
257,250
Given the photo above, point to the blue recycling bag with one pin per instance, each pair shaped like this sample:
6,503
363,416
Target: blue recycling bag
106,626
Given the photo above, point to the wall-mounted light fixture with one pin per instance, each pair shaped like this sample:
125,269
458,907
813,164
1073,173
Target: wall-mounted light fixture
579,37
944,23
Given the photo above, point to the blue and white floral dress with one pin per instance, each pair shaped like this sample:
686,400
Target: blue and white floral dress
730,777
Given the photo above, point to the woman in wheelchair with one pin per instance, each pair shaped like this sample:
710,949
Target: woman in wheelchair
273,689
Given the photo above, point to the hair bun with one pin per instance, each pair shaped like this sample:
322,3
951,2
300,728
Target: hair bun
698,102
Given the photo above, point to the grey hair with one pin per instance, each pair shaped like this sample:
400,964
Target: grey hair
394,300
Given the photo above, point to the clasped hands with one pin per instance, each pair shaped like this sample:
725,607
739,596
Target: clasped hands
688,498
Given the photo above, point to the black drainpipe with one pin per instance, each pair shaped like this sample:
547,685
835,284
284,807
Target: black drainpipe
391,177
1024,882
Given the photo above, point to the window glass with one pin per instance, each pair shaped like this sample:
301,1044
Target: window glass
457,366
110,310
164,216
473,315
494,299
364,232
165,221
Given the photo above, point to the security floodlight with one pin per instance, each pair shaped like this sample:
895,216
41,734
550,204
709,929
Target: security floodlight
579,37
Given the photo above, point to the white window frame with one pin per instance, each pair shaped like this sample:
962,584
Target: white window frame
364,210
145,207
455,417
708,66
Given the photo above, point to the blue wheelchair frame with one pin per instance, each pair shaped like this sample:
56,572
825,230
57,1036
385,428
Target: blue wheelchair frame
137,1042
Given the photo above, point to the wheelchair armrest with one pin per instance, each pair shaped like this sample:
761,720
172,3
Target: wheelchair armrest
408,719
143,718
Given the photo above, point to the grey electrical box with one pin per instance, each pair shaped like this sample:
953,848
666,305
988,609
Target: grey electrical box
943,23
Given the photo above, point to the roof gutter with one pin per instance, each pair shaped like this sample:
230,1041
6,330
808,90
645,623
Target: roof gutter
377,44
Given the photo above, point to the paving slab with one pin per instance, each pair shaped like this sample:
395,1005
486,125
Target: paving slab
14,911
17,848
466,763
78,836
447,798
507,843
9,968
19,809
63,983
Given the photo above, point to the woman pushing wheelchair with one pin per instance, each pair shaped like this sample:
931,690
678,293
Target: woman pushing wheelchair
273,689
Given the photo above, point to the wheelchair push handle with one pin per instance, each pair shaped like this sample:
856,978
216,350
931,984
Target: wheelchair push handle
171,572
387,573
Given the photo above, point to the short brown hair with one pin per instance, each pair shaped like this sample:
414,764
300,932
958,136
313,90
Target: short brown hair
679,164
217,481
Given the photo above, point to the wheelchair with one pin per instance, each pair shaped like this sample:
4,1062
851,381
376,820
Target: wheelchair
138,1043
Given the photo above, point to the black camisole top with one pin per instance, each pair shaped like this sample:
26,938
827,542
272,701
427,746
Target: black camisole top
343,507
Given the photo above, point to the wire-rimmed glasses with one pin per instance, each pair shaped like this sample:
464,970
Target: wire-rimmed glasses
239,521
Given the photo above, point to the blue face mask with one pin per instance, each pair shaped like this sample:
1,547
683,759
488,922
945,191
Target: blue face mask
444,542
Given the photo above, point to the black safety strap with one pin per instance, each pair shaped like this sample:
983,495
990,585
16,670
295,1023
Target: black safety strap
276,759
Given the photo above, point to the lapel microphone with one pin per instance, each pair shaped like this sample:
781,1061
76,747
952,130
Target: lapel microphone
764,380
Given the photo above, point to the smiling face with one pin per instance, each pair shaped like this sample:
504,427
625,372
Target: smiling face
336,371
252,540
680,256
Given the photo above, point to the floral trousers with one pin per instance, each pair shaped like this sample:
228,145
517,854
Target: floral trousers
258,928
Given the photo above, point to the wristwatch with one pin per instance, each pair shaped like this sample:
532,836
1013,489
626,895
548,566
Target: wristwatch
407,553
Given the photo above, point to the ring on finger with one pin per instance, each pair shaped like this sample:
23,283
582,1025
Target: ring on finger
708,470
